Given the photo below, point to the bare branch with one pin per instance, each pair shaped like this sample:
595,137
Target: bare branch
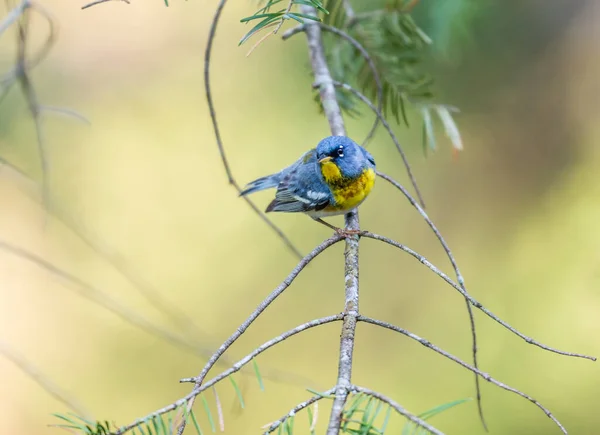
397,407
22,75
472,300
314,399
333,113
478,372
42,380
261,307
97,2
13,15
234,368
459,278
96,295
152,295
213,117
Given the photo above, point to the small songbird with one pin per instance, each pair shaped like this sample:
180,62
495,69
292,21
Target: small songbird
329,180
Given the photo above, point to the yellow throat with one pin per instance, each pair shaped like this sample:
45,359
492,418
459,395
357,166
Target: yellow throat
347,192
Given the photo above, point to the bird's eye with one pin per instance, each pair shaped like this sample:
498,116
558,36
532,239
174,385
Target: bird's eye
340,152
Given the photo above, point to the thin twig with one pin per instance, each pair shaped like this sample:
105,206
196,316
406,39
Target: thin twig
152,295
299,407
213,117
472,300
350,14
66,112
459,278
260,349
457,360
261,307
234,368
386,125
29,91
101,298
14,15
397,407
287,10
366,56
42,380
97,2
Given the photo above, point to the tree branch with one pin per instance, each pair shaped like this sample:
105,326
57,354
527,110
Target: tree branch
42,380
397,407
333,113
467,296
459,278
261,307
475,370
314,399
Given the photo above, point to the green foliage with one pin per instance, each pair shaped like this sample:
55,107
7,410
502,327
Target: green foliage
451,23
154,424
84,426
268,19
412,429
258,376
397,47
360,415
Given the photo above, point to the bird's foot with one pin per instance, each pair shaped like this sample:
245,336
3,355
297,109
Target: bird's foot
347,233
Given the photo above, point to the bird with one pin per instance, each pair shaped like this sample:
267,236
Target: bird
331,179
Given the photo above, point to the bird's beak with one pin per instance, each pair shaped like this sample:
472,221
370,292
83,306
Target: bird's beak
326,159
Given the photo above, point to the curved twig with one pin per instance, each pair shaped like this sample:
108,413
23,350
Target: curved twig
363,52
101,298
260,349
397,407
457,360
299,407
14,15
472,300
261,307
22,76
213,117
97,2
333,113
42,380
459,278
235,368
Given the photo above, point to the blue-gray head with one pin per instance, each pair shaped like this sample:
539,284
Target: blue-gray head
351,158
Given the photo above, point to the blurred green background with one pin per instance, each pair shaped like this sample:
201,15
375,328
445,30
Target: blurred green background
520,207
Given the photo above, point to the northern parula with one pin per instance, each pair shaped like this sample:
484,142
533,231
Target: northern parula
329,180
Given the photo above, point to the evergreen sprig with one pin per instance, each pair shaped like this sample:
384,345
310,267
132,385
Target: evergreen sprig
268,19
397,47
157,424
411,429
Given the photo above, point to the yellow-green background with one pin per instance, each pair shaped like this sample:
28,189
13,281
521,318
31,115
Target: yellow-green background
520,207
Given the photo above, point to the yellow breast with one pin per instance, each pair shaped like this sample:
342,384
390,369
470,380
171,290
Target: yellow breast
348,193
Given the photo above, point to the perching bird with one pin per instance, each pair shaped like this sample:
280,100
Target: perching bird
329,180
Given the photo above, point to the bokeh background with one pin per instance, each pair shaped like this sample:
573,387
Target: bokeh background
520,207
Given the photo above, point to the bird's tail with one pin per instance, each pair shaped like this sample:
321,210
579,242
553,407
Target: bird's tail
261,184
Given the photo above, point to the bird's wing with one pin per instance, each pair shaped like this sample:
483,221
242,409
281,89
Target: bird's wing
302,188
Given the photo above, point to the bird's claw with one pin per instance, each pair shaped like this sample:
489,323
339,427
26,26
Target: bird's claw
347,233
